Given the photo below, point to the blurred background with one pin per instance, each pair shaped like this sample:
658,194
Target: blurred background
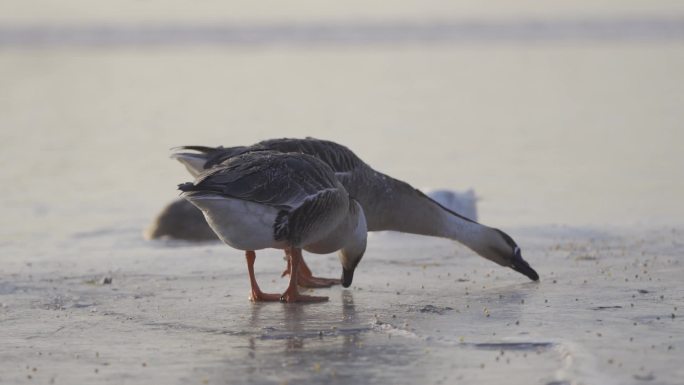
555,113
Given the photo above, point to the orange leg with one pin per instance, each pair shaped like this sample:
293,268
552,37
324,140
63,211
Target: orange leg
292,294
257,295
306,278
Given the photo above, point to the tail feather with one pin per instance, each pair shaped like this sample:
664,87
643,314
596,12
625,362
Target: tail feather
202,149
200,189
205,157
187,186
194,163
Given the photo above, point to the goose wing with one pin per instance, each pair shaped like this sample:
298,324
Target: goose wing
310,200
284,181
338,157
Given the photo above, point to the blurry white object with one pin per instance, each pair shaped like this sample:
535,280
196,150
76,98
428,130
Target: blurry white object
462,202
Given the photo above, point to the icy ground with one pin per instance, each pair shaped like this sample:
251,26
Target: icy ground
608,310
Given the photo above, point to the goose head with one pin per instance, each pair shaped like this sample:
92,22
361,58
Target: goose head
351,254
500,248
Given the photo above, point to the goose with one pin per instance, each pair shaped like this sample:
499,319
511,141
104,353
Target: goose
388,203
181,220
289,201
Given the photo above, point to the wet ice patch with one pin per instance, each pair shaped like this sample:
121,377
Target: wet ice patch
647,377
7,288
606,307
63,303
177,326
517,346
271,333
431,309
393,330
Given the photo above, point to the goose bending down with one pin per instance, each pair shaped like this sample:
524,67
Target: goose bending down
288,201
388,203
181,220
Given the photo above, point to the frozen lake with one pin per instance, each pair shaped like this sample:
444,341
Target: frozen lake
571,138
607,310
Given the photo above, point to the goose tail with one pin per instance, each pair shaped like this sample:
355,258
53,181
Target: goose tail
194,163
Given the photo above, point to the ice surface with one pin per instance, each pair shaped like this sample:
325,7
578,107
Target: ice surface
422,310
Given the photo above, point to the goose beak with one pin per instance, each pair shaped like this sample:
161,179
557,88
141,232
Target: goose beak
347,276
521,266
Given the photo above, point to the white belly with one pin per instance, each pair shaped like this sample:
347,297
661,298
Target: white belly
240,224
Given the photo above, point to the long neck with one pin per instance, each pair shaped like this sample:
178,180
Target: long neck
397,206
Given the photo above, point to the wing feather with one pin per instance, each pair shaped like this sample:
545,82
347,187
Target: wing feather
340,158
284,181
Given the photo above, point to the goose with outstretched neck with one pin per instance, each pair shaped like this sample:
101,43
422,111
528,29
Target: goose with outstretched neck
388,203
288,201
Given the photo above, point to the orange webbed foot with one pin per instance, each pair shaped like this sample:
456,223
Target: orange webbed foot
306,278
299,273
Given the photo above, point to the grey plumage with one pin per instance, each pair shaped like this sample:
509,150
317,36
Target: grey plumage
336,156
301,187
388,203
372,189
